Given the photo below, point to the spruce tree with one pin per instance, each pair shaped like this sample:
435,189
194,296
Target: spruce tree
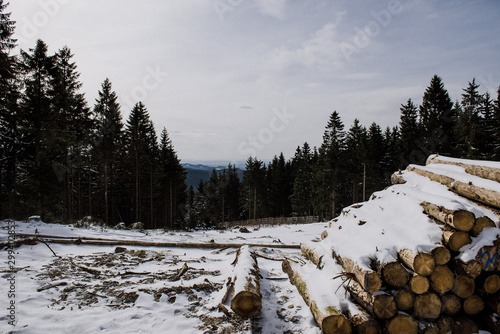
254,192
496,111
488,128
302,197
437,119
410,132
107,155
470,121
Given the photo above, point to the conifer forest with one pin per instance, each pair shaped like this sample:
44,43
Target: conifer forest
64,157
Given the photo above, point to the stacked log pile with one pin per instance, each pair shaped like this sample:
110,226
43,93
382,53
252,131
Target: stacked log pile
451,284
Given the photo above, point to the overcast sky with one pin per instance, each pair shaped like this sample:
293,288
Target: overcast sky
233,78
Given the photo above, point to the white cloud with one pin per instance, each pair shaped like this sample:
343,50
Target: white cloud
321,50
273,8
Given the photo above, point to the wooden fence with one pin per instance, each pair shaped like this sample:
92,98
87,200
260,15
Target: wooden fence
274,221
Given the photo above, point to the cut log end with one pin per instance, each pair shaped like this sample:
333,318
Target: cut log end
395,274
402,323
428,306
419,284
246,304
384,306
492,284
442,279
372,282
463,220
481,224
451,304
441,255
336,324
473,305
424,264
404,299
456,240
463,286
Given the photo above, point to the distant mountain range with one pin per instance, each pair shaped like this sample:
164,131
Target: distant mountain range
197,172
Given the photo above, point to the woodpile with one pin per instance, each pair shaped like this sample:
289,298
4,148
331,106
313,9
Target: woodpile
449,285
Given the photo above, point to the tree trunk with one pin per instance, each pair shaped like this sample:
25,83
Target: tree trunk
490,173
402,323
442,279
363,323
455,240
329,319
427,306
246,298
470,268
461,220
369,280
464,325
483,195
395,274
311,254
397,178
489,284
384,306
421,263
488,257
481,224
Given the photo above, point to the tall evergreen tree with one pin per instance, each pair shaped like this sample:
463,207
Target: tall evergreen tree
254,190
280,187
488,128
107,155
9,132
410,133
357,157
302,197
470,121
142,153
172,182
496,116
437,119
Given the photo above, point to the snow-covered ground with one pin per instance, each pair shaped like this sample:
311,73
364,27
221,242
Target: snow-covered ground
133,291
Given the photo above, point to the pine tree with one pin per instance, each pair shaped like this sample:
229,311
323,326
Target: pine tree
437,119
357,156
376,178
9,114
488,128
329,177
172,181
107,154
496,140
254,190
410,133
142,151
280,187
302,197
40,133
470,121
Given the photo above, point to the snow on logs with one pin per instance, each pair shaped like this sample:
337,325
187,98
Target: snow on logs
328,318
433,278
246,297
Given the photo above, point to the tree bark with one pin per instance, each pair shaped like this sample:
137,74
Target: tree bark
470,167
421,263
488,257
470,268
329,319
363,323
461,220
246,298
442,279
369,280
427,306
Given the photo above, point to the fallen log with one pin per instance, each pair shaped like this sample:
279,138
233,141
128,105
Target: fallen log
397,178
442,279
246,297
369,280
17,242
405,299
392,273
115,242
420,262
463,286
451,304
419,284
473,305
488,257
455,240
427,306
311,254
481,224
489,284
446,325
473,167
402,323
461,220
363,323
483,195
329,319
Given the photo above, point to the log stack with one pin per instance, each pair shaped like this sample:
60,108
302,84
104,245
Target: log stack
452,283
